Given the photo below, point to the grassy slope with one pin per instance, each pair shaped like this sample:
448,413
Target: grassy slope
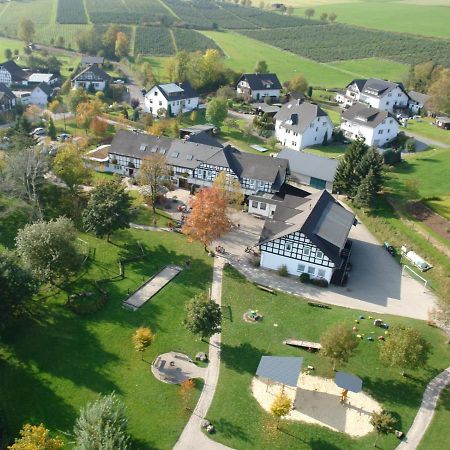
425,127
54,364
237,416
391,16
439,426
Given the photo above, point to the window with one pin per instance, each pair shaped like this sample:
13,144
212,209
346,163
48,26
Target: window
317,128
156,92
255,204
389,130
306,251
301,268
311,270
288,247
321,273
380,131
319,254
262,206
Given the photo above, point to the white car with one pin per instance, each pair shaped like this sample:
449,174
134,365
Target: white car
38,132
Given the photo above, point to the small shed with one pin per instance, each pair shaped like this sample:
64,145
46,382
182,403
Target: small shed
443,122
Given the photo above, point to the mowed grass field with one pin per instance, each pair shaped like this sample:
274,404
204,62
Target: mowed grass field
243,53
425,19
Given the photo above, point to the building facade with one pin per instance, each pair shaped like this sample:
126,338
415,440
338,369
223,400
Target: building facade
92,77
257,86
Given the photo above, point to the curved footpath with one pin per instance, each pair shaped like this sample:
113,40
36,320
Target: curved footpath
426,411
192,437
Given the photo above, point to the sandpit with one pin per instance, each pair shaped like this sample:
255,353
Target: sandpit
317,401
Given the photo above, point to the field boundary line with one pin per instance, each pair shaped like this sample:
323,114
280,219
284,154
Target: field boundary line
169,9
54,13
86,11
133,39
174,41
4,9
126,5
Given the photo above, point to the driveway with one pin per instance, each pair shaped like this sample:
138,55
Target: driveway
376,283
423,142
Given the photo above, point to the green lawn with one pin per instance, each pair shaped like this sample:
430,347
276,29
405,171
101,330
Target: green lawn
12,44
439,426
40,11
424,175
424,19
329,150
54,362
238,417
425,127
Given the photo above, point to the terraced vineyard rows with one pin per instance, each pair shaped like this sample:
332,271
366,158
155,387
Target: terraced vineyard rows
71,11
192,40
154,40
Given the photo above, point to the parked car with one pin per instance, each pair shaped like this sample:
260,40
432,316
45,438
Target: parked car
39,132
119,82
63,137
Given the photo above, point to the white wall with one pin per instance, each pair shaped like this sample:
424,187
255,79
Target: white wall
152,103
274,262
379,136
261,208
98,85
38,97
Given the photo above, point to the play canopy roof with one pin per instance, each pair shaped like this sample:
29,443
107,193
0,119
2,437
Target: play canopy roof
347,381
281,369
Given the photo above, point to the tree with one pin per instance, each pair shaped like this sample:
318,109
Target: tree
36,437
231,189
102,425
383,423
208,219
261,67
51,129
338,343
76,97
203,316
33,113
26,31
405,348
216,111
324,16
109,40
272,143
309,12
344,180
99,127
439,93
108,209
332,17
372,160
8,53
153,177
281,407
86,112
366,191
17,285
298,84
247,131
69,166
121,48
290,10
49,250
309,92
226,92
142,339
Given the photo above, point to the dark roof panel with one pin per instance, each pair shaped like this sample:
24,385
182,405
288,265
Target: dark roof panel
281,369
261,81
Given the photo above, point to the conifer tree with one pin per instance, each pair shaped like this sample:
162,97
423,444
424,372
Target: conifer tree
366,191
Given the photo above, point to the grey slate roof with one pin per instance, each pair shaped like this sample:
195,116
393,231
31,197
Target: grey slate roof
203,137
261,81
46,88
17,73
97,71
281,369
309,164
418,97
86,59
365,115
376,87
177,91
319,217
297,115
7,92
348,381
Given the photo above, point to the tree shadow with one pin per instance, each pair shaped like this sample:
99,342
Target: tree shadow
243,358
231,430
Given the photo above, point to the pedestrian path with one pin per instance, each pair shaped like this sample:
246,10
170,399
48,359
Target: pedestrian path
192,437
426,411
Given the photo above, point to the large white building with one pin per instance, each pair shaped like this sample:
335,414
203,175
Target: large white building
257,86
301,124
308,235
376,127
381,94
171,99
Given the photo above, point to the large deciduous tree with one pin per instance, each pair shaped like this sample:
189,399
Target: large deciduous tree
108,209
298,84
153,177
121,45
231,189
216,110
208,219
17,285
309,12
49,249
405,348
102,425
439,93
36,437
203,316
383,423
87,111
338,344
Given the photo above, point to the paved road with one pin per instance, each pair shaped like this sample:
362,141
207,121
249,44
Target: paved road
192,437
426,411
133,88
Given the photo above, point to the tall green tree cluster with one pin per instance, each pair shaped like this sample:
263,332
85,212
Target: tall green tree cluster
359,174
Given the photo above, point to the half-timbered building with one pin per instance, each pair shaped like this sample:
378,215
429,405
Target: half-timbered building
308,234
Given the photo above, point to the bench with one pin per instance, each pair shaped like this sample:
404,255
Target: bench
265,288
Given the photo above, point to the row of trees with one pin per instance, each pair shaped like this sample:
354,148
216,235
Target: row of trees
309,13
112,44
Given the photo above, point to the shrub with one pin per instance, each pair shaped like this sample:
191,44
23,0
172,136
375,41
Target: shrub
319,282
305,278
283,271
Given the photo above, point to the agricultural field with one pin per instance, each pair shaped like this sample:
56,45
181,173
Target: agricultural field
12,44
319,44
71,11
154,40
424,19
12,12
50,33
192,41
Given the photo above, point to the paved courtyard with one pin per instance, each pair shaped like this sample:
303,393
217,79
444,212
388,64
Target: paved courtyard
375,284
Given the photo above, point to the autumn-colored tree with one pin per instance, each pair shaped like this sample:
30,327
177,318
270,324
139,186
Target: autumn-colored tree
86,112
186,392
142,339
383,423
439,93
208,219
121,46
36,437
298,84
309,12
193,117
281,407
158,128
98,127
153,176
231,189
33,113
